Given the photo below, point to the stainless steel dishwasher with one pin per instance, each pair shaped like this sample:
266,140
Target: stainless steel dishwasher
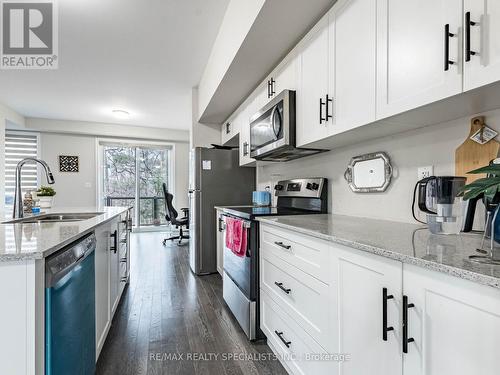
70,309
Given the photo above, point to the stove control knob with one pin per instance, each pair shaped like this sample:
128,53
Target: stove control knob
278,187
315,186
309,186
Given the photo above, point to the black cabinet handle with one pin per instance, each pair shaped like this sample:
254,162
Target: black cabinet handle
280,335
406,340
272,86
281,244
115,241
328,101
280,285
447,35
268,89
221,224
385,329
321,104
468,24
228,128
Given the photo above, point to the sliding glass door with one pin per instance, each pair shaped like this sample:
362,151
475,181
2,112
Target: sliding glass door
133,175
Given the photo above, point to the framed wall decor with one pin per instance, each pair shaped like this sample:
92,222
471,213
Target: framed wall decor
69,163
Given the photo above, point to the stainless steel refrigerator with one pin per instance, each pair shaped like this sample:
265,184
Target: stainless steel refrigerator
215,179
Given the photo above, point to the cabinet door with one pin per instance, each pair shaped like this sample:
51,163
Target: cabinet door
114,268
411,53
354,25
220,242
361,281
103,316
244,121
455,324
313,86
483,67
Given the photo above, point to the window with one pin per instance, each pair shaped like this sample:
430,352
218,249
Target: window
132,175
19,145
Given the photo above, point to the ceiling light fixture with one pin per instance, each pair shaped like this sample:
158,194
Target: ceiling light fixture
121,114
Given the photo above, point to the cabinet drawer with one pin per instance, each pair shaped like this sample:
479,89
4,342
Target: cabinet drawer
308,301
301,354
306,253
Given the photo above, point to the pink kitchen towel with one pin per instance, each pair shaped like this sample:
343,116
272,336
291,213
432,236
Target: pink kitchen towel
236,236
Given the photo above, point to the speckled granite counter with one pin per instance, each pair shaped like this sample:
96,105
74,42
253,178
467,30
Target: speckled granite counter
36,241
407,243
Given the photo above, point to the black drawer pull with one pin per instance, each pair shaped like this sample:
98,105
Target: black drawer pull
385,329
281,244
280,335
280,285
406,340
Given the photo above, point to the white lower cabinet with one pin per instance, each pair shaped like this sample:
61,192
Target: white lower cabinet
455,325
370,314
362,279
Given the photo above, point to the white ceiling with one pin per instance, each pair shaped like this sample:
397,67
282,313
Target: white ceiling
143,56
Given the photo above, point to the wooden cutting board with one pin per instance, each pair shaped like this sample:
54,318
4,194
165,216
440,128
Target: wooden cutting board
471,155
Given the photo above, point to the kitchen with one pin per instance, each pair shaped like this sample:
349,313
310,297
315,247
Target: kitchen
295,199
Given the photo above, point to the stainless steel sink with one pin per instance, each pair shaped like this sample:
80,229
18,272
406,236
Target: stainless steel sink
54,218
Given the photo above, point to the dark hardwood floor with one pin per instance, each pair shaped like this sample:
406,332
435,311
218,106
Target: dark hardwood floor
168,316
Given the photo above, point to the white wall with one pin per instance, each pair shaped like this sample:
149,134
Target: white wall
434,145
8,117
238,19
202,135
73,189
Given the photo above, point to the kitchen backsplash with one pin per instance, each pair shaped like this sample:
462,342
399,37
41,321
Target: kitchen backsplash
433,145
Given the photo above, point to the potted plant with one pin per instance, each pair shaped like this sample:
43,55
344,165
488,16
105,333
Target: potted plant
489,187
45,195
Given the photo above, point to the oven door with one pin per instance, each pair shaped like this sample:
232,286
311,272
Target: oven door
273,127
240,269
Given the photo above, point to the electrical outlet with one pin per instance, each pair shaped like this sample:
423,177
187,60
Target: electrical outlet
424,172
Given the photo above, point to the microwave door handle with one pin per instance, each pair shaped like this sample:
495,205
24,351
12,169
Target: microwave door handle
274,113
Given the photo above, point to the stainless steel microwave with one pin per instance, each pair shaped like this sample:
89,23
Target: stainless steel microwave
272,131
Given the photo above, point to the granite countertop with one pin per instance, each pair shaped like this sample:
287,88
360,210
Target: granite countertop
408,243
37,241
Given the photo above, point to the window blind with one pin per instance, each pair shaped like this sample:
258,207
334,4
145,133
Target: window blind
17,147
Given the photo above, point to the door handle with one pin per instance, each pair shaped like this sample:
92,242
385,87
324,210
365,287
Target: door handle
272,86
221,224
228,128
321,104
280,335
268,89
115,241
468,24
328,100
280,285
447,35
281,244
406,339
385,329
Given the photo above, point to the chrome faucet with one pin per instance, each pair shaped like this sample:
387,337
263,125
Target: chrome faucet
18,198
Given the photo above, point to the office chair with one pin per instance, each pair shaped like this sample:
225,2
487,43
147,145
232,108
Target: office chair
171,216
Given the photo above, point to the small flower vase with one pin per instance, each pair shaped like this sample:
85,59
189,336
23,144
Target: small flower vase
46,202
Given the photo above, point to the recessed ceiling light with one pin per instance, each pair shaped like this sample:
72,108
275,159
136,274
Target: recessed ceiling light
121,114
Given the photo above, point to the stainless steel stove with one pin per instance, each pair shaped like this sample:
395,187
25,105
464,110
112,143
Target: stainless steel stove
303,196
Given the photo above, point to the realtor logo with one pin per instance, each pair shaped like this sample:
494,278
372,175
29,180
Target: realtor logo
28,34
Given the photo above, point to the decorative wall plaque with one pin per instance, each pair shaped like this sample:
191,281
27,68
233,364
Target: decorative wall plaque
68,163
369,173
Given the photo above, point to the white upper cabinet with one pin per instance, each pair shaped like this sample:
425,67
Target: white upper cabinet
244,121
482,40
453,325
411,52
315,83
229,130
354,30
286,76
